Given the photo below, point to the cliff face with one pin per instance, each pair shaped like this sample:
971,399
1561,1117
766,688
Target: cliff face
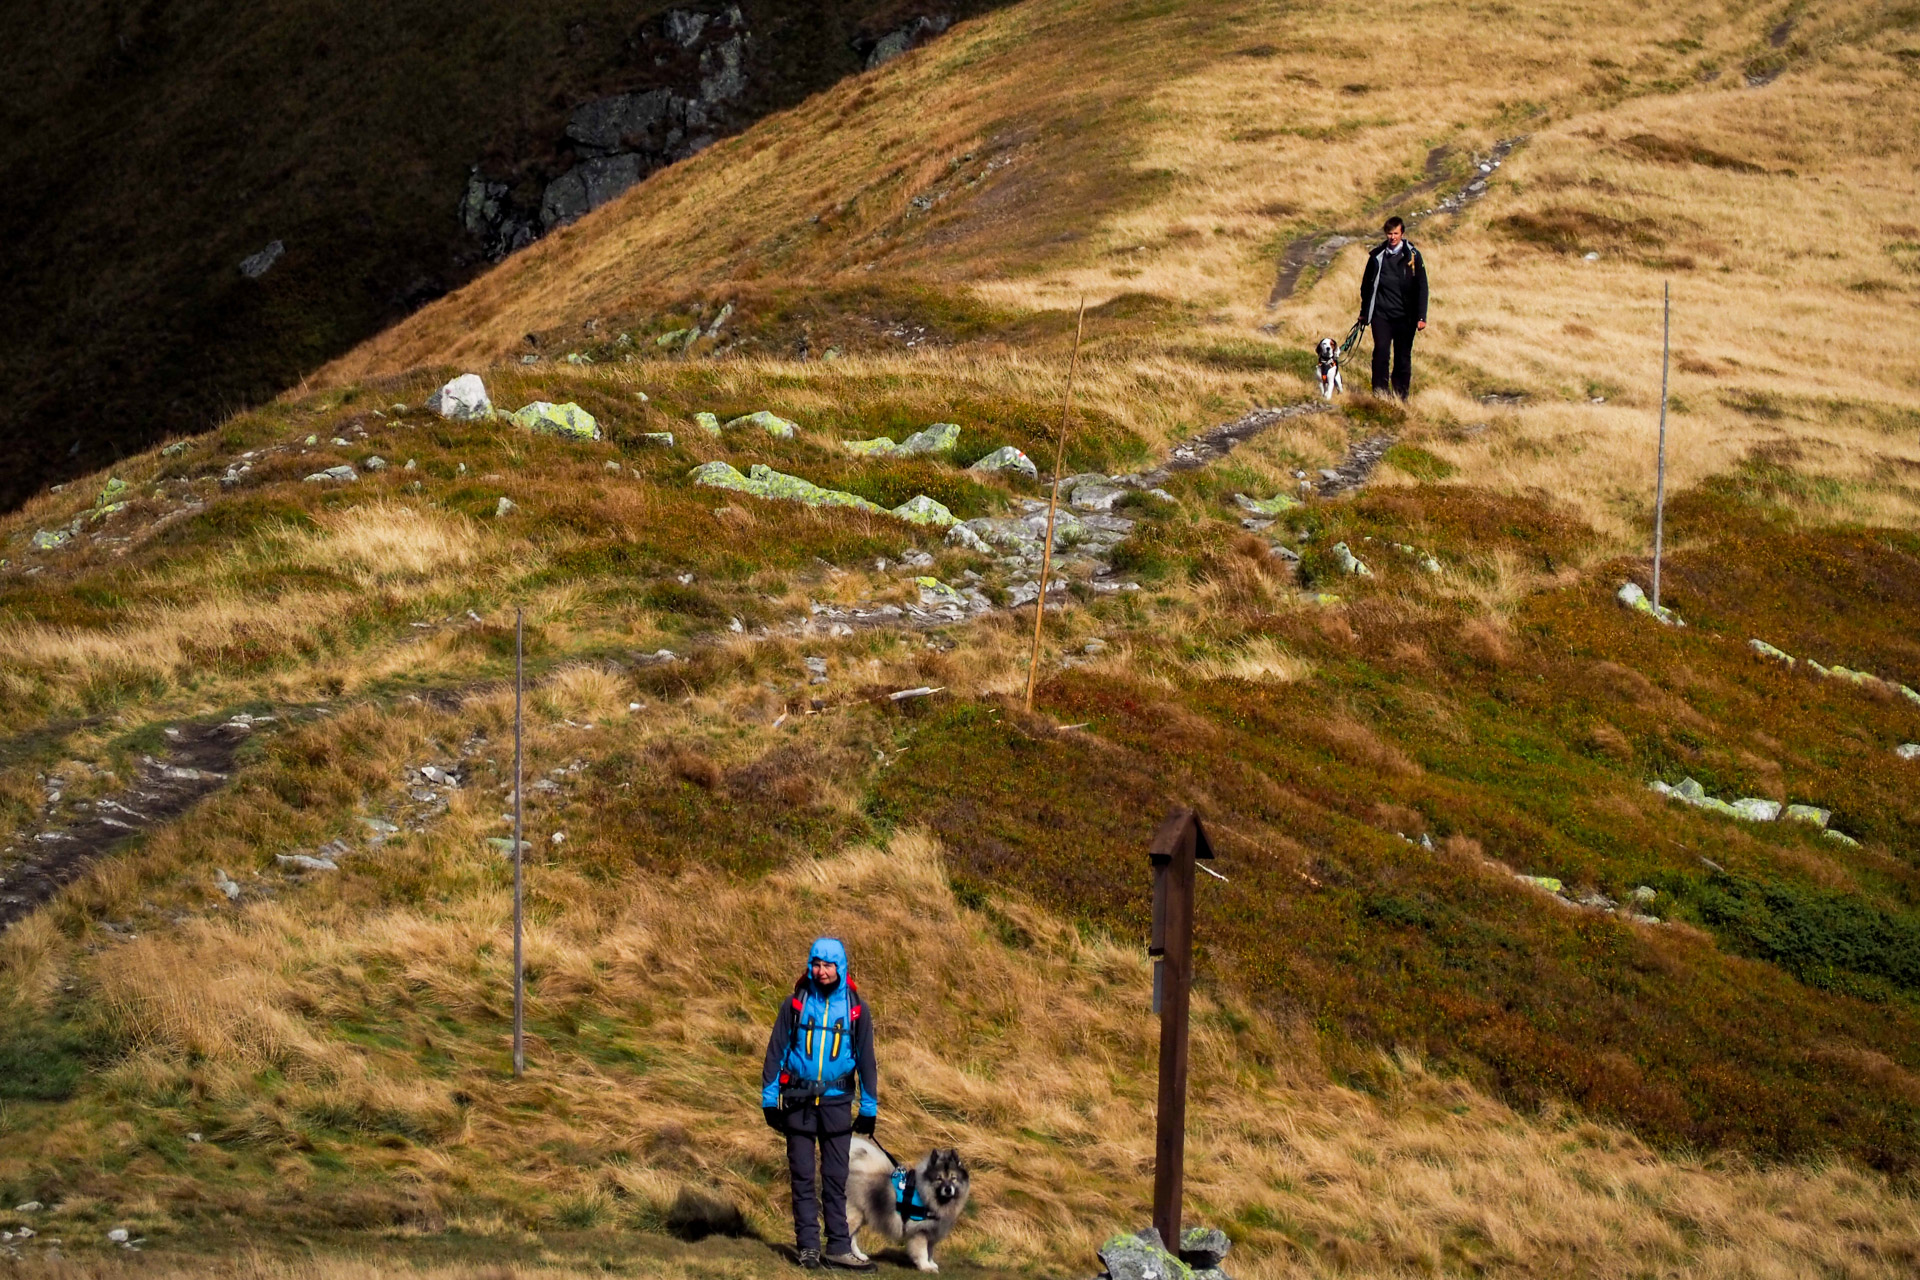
215,199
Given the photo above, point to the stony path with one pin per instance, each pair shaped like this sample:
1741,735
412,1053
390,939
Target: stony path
74,834
1362,457
1317,249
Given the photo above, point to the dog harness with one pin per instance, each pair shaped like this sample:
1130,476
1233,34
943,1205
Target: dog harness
907,1201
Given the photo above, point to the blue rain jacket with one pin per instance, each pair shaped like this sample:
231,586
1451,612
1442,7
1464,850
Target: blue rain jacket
821,1049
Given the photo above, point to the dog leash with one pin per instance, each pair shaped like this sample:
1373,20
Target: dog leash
1353,336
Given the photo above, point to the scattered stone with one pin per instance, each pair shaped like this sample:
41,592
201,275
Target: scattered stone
941,437
1841,838
177,448
1097,495
1142,1257
376,463
1007,458
225,884
1908,751
341,472
464,398
878,447
1807,813
1348,562
412,465
1205,1247
959,535
305,862
568,420
50,539
1766,650
504,844
255,265
920,509
1645,893
662,438
506,506
118,1235
1273,506
1546,884
31,1206
1753,809
1633,597
772,423
707,422
765,482
935,592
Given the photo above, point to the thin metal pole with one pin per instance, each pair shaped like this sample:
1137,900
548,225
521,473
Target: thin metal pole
1053,506
1660,474
519,967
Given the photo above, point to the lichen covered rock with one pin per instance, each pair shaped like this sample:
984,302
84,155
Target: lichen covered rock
1142,1257
920,509
568,420
1348,562
1634,598
771,423
1273,506
941,437
1766,650
1807,813
1007,458
878,447
707,422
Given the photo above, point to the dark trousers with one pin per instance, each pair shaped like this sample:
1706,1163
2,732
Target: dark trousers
1393,334
830,1127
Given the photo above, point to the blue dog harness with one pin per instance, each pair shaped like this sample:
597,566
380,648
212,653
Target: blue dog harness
906,1197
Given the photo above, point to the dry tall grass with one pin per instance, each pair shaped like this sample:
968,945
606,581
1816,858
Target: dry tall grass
1008,1034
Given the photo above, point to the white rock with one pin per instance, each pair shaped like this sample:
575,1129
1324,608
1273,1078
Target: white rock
1754,809
506,506
118,1235
303,862
465,398
1908,751
225,884
31,1206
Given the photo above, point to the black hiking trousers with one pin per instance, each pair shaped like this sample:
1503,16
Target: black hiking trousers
1393,335
830,1127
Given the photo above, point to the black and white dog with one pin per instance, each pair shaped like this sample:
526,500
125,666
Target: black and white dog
1328,353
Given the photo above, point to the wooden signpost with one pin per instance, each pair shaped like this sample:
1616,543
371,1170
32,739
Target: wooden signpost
1177,846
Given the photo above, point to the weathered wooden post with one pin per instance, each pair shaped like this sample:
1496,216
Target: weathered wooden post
1176,845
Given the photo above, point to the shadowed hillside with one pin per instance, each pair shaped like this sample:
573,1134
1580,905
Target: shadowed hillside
153,148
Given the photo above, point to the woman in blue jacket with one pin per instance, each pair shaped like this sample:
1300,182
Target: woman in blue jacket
819,1069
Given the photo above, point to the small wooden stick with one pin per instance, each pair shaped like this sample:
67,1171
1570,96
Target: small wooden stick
1053,506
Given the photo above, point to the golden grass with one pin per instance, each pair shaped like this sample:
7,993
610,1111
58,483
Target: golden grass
1219,140
1034,1058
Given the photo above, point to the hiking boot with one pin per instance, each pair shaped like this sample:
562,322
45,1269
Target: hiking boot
851,1262
807,1259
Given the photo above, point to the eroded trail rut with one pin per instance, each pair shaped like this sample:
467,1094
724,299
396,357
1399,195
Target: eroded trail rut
1318,248
75,834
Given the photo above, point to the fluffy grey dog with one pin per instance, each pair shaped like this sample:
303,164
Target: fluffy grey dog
917,1206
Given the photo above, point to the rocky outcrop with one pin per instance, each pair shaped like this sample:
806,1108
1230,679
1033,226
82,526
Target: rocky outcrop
886,48
617,140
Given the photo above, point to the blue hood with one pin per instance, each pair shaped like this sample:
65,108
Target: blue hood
833,951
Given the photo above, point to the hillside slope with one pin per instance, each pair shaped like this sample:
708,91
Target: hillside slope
1476,997
153,148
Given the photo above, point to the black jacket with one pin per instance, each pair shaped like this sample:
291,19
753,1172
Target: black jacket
1413,293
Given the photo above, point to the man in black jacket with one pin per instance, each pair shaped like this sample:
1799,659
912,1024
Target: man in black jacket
1393,302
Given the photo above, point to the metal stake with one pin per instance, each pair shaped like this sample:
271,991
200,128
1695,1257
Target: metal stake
519,967
1660,475
1053,505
